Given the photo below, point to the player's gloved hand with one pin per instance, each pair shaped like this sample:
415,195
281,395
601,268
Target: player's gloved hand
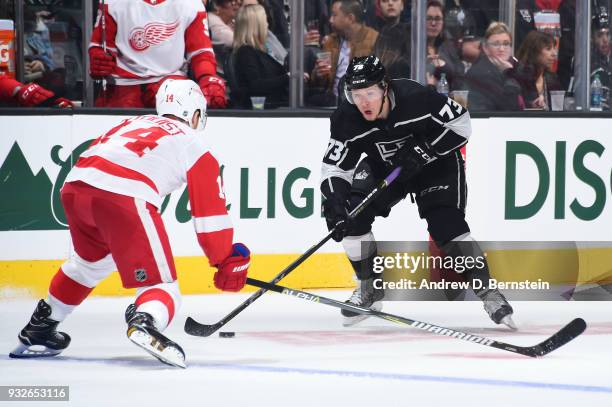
32,95
232,272
101,64
337,218
213,89
412,157
61,103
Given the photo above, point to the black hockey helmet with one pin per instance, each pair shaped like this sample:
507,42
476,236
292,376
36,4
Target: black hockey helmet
364,72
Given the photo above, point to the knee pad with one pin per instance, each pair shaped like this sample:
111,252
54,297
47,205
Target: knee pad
74,281
359,247
477,273
88,273
445,224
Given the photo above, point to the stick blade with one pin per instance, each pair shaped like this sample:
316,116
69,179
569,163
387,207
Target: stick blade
563,336
193,327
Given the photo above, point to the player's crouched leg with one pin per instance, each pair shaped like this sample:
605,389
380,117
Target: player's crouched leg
452,234
361,251
72,283
152,312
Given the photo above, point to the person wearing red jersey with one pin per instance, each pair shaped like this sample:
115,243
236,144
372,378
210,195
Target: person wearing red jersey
112,197
28,95
136,44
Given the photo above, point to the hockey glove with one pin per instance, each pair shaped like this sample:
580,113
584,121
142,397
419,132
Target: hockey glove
412,157
32,95
213,88
232,272
101,64
337,218
60,103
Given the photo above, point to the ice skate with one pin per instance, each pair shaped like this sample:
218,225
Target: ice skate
39,337
143,333
366,296
498,308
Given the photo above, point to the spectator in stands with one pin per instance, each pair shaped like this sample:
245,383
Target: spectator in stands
601,63
28,95
350,38
526,11
567,17
384,12
37,45
537,56
274,47
390,13
442,54
470,50
491,80
393,49
469,45
318,11
148,42
221,22
257,72
277,22
480,13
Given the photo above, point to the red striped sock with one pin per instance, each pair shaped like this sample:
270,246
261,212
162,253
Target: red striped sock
67,290
144,303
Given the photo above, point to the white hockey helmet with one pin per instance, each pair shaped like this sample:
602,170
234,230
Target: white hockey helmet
181,98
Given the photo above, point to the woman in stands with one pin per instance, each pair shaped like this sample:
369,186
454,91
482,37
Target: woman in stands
537,56
257,73
492,79
442,55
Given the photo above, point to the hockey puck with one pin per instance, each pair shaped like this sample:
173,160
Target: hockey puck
227,334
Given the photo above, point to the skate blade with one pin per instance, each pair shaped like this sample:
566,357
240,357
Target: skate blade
33,351
507,320
169,355
351,321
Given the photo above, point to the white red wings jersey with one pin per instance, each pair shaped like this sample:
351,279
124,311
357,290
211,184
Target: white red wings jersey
154,38
150,156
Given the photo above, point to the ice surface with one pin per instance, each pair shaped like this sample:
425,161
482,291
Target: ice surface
291,352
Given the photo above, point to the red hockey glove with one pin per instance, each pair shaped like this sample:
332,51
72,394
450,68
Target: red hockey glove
32,95
213,88
232,272
101,64
61,103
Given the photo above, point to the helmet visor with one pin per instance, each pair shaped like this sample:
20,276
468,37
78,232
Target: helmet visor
370,94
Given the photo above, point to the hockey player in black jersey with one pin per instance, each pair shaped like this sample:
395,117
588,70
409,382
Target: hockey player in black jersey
399,123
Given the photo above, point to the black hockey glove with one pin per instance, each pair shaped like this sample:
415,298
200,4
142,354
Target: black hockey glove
336,216
412,157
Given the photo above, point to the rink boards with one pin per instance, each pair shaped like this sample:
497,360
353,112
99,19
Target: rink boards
530,179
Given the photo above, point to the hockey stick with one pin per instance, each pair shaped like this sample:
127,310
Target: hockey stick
193,327
560,338
104,80
103,23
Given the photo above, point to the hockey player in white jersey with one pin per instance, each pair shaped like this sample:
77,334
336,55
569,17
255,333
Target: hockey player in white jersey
136,44
112,197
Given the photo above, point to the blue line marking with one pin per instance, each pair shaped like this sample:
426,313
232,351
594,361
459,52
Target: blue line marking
415,378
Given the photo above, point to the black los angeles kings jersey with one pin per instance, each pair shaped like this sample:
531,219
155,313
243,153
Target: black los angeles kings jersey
416,111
